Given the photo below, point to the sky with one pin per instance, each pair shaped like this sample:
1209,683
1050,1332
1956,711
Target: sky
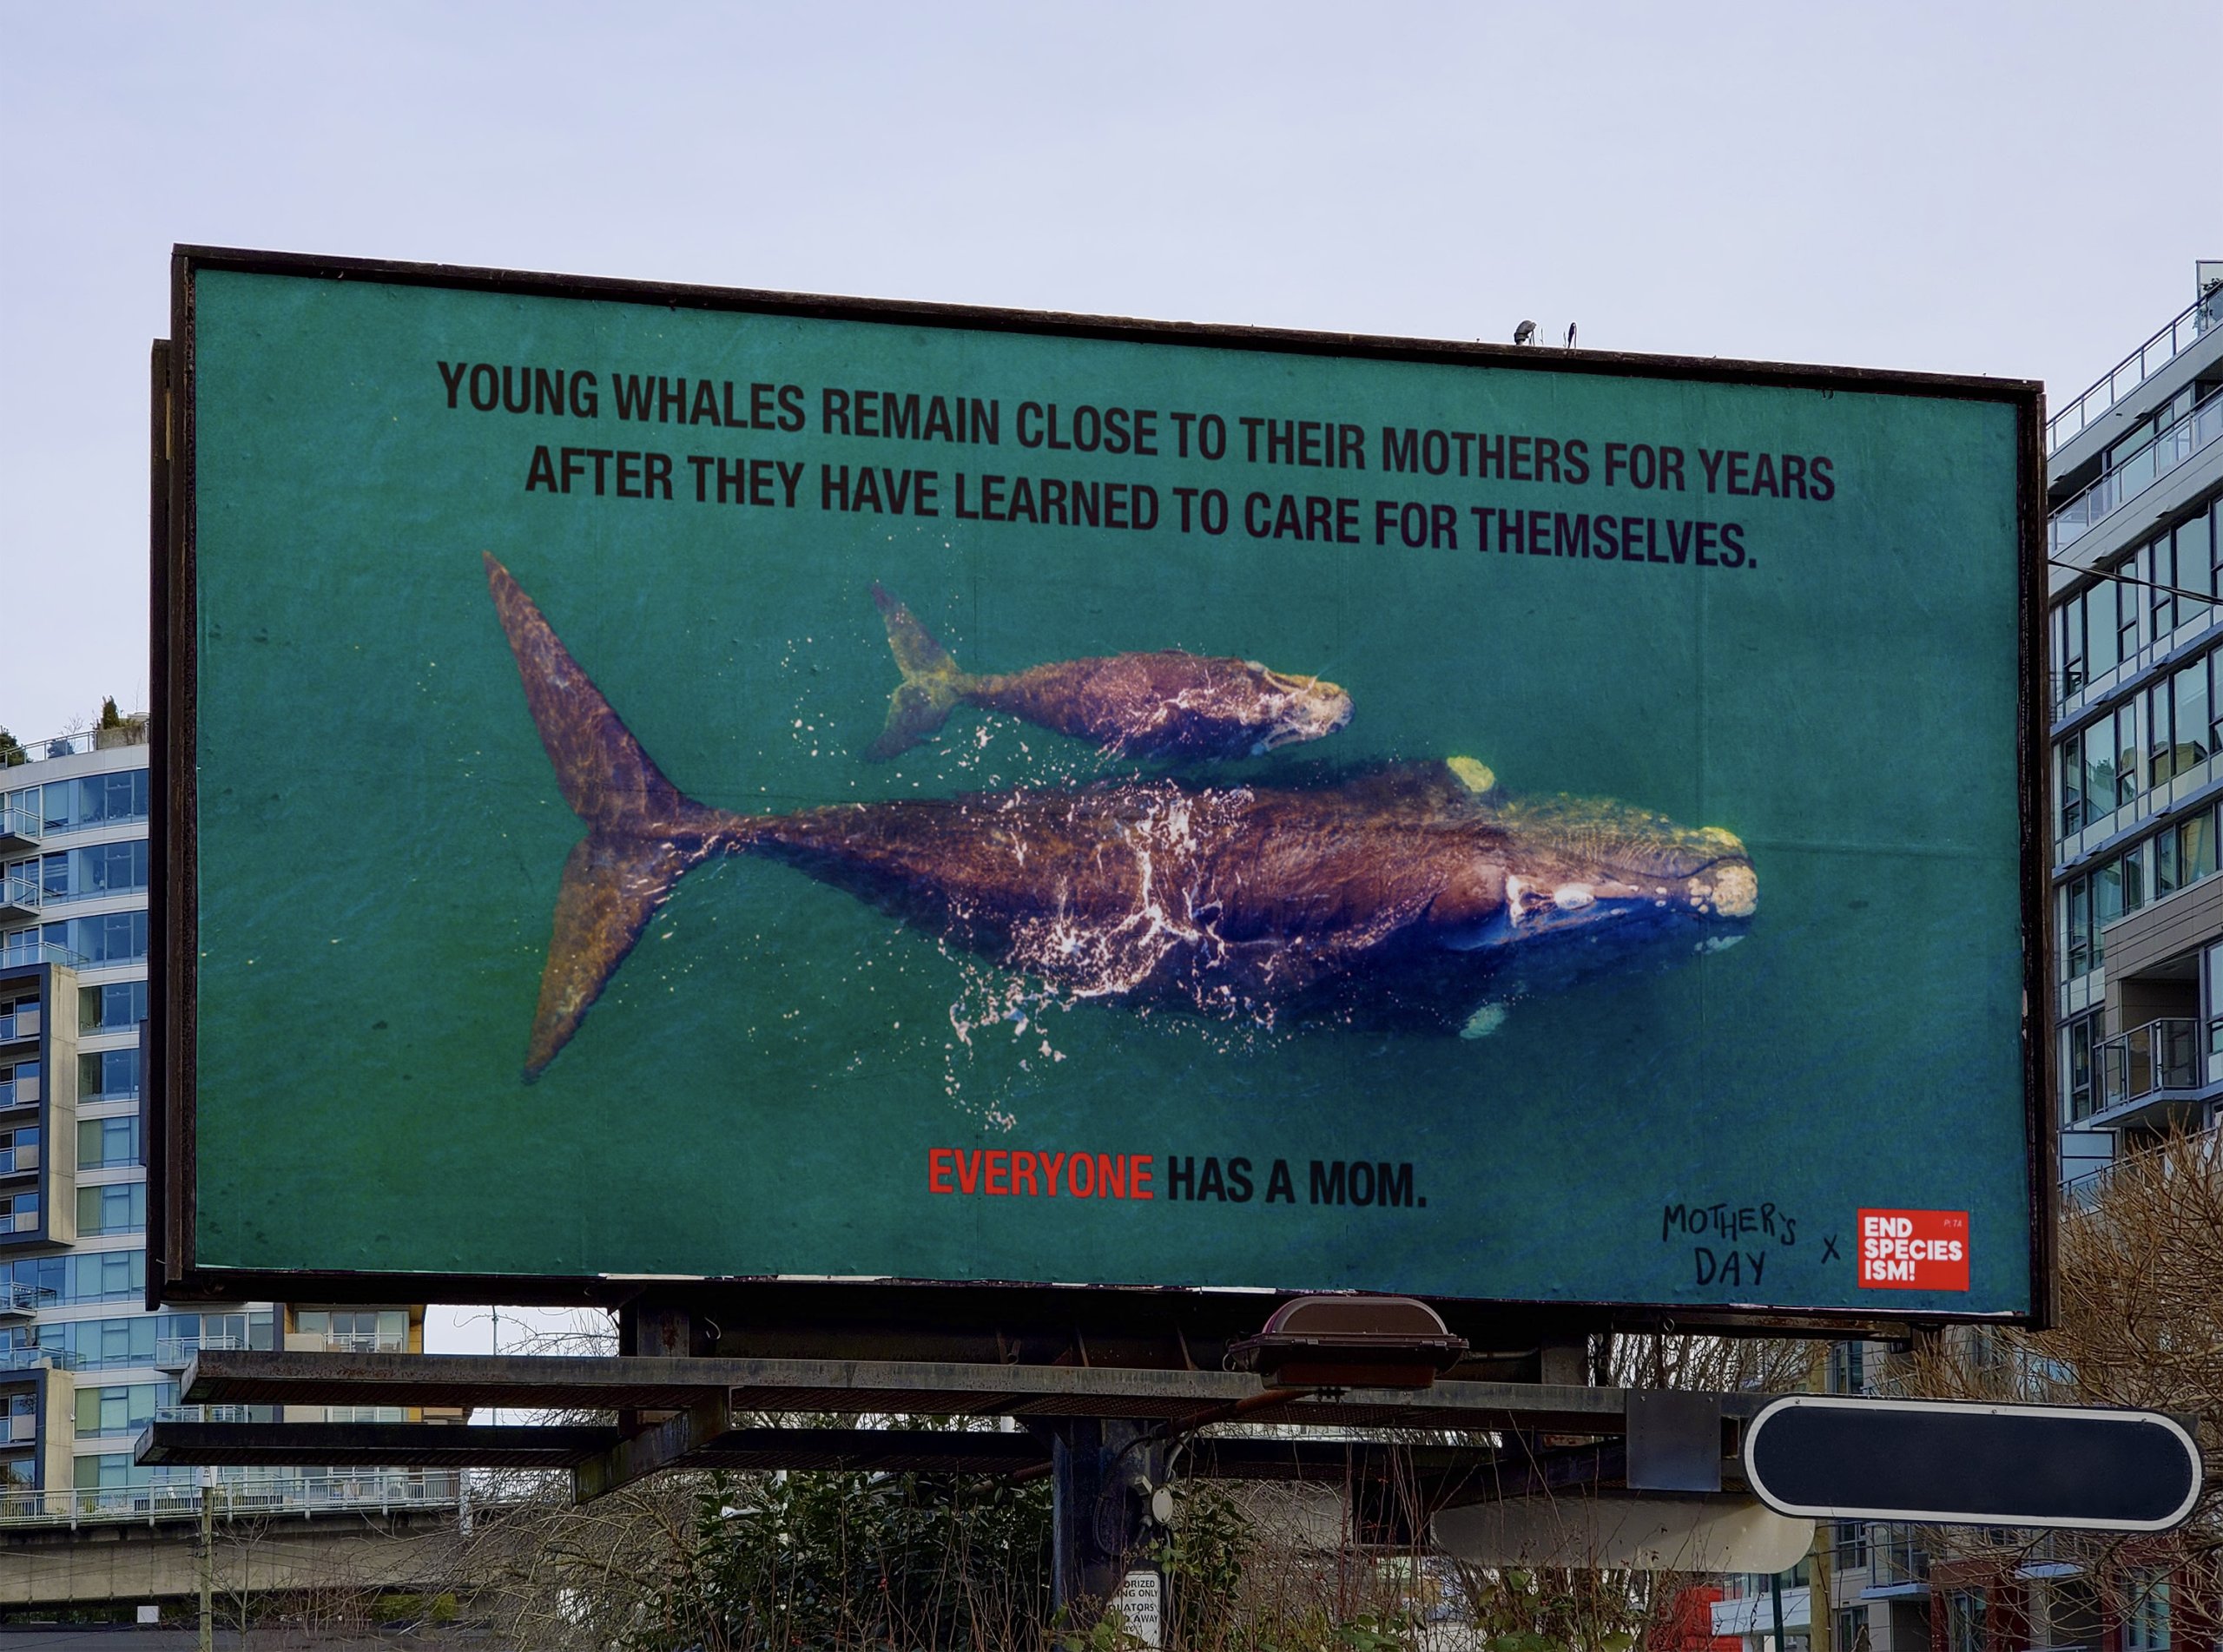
2011,190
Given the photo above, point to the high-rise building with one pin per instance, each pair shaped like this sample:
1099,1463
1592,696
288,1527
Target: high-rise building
2135,495
2135,700
83,1366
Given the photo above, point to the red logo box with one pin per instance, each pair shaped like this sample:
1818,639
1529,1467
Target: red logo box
1914,1250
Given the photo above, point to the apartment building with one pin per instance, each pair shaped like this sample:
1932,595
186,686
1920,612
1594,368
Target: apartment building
2135,537
84,1367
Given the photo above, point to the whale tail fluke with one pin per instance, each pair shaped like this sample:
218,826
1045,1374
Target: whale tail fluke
932,685
642,832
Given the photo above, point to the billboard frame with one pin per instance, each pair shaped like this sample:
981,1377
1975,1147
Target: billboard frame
175,1275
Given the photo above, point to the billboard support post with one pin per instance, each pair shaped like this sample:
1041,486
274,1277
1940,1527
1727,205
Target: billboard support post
1102,1471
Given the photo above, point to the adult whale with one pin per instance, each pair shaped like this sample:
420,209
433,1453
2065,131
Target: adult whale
1415,892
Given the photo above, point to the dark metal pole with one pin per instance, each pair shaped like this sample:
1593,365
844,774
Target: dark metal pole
1775,1597
1102,1470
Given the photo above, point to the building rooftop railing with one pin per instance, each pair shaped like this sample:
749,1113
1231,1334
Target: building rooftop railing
2134,369
360,1492
132,731
2191,434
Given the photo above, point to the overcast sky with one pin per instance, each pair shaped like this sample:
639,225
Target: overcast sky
2015,189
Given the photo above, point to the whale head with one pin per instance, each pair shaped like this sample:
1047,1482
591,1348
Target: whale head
1605,874
1292,710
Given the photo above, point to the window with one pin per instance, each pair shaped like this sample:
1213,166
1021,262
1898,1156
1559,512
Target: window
105,869
95,799
362,1330
2082,1034
2146,1612
123,1410
2133,878
1964,1616
2076,925
19,1084
2195,848
106,1075
18,1149
2160,735
2068,764
2069,645
2195,723
118,1207
1852,1622
89,1276
112,938
106,1144
2126,769
119,1006
1848,1367
18,1213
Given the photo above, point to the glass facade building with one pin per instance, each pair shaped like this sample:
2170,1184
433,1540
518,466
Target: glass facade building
84,1367
2135,656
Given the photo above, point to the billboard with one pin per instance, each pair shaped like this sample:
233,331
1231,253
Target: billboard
681,783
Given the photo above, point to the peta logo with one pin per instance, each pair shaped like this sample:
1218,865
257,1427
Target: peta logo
1914,1250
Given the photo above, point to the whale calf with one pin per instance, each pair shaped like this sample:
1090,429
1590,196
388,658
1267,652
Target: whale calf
1414,893
1161,704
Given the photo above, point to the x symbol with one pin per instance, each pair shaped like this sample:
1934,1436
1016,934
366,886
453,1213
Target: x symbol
1829,1248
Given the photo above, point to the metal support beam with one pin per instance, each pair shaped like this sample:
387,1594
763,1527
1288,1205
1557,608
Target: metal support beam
659,1446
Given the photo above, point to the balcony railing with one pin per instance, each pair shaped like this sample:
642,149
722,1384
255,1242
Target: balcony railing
2160,1055
1897,1560
131,732
176,1353
21,822
359,1491
2134,369
204,1414
19,1299
365,1342
19,951
24,1024
2189,435
33,1358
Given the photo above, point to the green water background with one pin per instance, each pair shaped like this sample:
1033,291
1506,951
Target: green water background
758,1089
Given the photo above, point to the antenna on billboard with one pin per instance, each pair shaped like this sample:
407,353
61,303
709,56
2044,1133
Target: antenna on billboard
1525,334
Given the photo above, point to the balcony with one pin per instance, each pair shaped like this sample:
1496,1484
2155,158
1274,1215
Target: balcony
21,951
2140,1076
362,1491
21,828
176,1353
2194,433
21,1301
20,1091
20,1160
40,1359
21,899
2141,364
20,1027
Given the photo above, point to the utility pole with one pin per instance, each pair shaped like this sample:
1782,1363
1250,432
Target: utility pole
208,1558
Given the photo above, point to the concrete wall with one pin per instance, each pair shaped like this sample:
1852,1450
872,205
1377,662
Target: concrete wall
126,1563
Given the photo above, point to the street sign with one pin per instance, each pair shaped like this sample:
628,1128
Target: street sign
1839,1458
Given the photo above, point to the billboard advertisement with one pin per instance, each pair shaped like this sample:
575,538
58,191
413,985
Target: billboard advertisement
716,784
